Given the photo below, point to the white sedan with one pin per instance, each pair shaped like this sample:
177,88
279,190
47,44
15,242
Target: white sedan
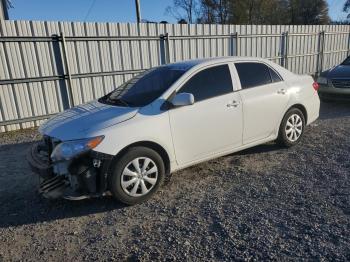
168,118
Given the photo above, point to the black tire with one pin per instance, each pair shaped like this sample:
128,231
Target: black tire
115,179
282,134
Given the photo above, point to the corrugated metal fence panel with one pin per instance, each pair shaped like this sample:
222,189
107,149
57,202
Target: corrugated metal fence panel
101,56
336,45
23,60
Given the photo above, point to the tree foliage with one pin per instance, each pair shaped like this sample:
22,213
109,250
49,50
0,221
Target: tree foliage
215,11
308,12
253,11
187,10
346,7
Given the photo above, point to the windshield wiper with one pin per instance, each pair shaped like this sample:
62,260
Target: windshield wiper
117,100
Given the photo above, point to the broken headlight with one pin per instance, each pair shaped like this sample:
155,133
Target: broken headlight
69,149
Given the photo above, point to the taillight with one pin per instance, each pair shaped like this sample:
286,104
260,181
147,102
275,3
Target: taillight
316,86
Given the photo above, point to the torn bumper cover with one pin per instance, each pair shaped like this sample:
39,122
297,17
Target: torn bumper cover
81,177
38,160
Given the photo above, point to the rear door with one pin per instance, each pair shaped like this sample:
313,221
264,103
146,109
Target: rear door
213,123
264,96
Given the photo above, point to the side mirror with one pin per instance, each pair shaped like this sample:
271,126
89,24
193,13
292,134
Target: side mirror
182,99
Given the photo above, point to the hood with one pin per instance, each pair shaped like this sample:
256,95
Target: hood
80,121
340,71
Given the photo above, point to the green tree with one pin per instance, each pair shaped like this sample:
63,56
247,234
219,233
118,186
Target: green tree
258,11
189,7
253,11
215,11
308,12
346,7
280,12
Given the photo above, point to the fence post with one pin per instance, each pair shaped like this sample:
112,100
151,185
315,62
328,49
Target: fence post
234,44
348,44
167,38
67,75
286,45
59,63
284,50
281,54
162,50
320,55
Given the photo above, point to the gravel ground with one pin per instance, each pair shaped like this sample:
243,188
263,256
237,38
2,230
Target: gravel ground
263,203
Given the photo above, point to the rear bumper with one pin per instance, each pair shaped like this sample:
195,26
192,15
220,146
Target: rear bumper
335,97
312,106
330,92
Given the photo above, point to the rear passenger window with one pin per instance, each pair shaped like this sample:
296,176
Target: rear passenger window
274,76
208,83
255,74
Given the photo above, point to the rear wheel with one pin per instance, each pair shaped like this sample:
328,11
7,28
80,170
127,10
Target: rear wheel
292,128
137,175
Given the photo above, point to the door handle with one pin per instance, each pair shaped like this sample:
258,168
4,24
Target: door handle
282,91
233,104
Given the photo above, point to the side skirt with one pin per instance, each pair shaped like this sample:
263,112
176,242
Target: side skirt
223,153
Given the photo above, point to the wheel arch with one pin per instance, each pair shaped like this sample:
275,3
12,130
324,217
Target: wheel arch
298,106
152,145
301,108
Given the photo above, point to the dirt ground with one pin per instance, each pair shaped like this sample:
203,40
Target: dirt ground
263,203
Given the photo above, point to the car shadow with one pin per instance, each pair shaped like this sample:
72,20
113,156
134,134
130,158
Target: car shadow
38,210
20,203
264,148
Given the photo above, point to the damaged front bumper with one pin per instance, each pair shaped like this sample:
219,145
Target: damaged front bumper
82,177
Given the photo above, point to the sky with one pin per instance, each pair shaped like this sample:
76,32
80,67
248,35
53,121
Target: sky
109,10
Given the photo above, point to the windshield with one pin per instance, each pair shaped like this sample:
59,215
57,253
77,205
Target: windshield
347,61
144,88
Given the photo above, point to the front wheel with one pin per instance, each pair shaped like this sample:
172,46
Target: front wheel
137,175
292,128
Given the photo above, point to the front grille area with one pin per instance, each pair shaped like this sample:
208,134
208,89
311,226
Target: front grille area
341,83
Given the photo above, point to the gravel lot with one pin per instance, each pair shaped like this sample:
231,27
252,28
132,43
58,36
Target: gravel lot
263,203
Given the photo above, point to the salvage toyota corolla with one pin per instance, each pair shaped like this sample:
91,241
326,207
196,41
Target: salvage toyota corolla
168,118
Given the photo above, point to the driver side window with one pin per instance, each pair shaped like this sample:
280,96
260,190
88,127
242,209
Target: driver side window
208,83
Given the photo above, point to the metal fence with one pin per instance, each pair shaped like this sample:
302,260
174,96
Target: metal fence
47,67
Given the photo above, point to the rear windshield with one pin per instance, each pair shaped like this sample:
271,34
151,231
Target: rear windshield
347,61
144,88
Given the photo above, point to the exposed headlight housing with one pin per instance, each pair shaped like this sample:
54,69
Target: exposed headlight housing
69,149
322,80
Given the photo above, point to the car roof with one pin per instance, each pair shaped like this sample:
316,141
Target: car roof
190,66
185,65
